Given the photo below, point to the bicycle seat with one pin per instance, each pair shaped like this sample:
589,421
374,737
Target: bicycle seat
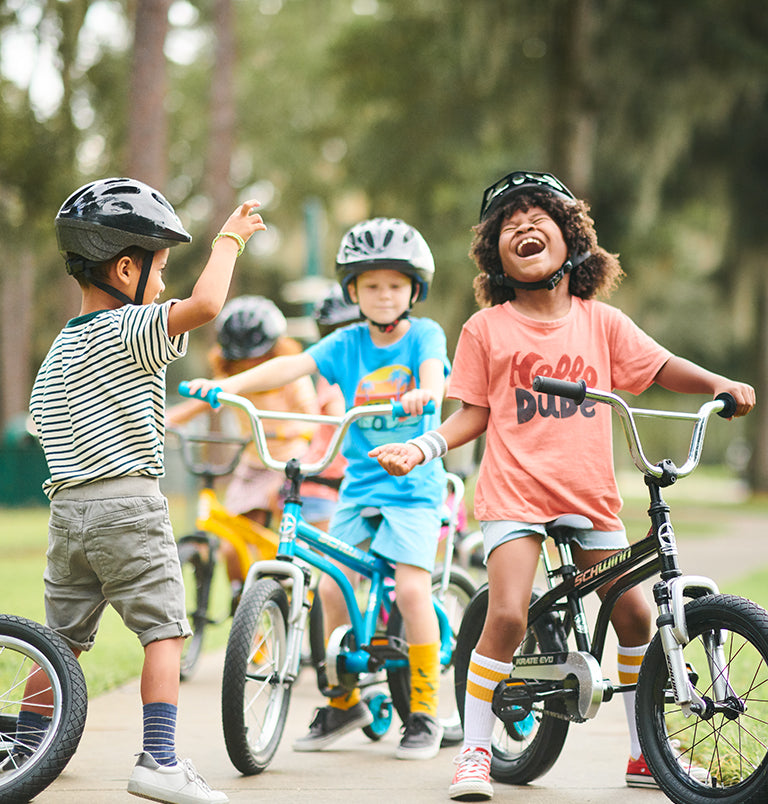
569,522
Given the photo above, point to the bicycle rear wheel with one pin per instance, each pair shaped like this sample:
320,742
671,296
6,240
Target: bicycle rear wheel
197,556
729,744
254,703
24,645
460,590
527,749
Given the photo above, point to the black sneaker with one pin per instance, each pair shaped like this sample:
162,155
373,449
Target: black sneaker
422,734
330,723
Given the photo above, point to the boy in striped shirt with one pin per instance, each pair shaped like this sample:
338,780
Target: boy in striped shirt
98,404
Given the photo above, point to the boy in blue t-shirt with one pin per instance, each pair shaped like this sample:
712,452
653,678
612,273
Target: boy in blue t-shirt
385,266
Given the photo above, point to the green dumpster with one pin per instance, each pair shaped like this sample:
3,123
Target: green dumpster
22,466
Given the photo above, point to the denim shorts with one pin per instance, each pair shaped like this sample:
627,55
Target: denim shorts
400,535
111,541
498,531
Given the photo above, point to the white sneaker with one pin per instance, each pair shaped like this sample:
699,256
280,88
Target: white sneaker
174,784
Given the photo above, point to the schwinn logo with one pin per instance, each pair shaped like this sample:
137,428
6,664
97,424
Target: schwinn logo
667,540
602,566
288,525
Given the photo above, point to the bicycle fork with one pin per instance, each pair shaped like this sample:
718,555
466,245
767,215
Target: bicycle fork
673,631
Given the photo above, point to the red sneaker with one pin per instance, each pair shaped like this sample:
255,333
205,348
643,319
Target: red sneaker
472,778
639,775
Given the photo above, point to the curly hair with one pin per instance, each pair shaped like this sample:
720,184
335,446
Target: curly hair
599,274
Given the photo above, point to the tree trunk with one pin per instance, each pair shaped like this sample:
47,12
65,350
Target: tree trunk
16,306
147,121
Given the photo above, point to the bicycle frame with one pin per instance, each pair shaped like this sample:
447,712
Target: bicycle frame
302,545
656,553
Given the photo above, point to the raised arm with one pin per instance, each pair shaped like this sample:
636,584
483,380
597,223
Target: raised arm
683,376
210,290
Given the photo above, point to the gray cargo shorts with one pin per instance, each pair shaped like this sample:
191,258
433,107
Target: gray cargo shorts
111,541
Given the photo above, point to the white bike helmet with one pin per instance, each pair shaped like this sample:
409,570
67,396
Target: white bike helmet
382,243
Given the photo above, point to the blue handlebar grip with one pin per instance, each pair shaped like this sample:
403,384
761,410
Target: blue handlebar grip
212,397
399,413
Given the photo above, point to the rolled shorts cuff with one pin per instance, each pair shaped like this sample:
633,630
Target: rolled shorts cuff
165,631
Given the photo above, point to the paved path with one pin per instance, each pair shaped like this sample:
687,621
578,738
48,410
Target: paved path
589,771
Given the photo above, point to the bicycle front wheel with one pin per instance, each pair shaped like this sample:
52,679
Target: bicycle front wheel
527,749
254,702
25,647
722,756
457,596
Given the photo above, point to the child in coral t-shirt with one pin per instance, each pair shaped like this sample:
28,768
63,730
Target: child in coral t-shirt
541,267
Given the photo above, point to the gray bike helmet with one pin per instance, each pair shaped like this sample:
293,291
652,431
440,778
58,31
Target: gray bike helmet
106,217
249,326
385,243
334,311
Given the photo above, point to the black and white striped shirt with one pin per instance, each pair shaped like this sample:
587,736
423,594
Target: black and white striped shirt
98,401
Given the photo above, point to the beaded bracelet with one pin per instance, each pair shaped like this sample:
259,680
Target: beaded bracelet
234,236
432,444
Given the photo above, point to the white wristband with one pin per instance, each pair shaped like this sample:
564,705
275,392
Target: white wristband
432,444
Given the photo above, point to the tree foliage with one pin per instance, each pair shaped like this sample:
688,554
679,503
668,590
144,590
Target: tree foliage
656,112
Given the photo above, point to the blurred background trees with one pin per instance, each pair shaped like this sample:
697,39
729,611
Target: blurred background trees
333,110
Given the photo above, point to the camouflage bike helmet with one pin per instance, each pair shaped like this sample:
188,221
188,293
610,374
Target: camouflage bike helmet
520,182
105,217
385,243
248,327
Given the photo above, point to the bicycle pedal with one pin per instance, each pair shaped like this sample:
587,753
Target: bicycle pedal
385,648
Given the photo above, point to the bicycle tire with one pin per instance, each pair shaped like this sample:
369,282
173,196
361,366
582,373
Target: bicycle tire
726,747
254,705
518,756
24,643
460,591
197,572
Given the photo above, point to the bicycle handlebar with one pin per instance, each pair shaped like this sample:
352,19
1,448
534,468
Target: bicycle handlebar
723,405
216,397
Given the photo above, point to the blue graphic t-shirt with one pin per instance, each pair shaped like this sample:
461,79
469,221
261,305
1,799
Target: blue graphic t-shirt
369,374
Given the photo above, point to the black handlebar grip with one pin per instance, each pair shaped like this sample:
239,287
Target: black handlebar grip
570,390
729,405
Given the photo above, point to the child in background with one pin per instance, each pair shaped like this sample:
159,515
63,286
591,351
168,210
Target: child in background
98,405
385,266
541,267
250,331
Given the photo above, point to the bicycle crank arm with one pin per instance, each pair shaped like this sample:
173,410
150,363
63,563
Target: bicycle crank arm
582,667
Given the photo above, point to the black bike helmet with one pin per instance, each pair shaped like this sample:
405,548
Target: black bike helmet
517,183
105,217
334,311
249,326
385,243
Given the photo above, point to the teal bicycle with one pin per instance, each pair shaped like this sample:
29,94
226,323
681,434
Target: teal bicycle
264,650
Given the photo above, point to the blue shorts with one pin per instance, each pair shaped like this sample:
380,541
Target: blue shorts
497,532
401,535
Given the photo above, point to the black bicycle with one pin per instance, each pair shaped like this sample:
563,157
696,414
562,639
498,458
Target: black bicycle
702,693
28,647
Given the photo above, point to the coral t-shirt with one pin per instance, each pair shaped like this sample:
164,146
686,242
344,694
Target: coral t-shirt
545,456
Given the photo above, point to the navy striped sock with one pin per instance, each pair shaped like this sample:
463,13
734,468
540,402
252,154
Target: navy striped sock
31,728
160,732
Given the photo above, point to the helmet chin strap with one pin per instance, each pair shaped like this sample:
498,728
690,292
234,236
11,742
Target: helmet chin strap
550,283
79,265
387,327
